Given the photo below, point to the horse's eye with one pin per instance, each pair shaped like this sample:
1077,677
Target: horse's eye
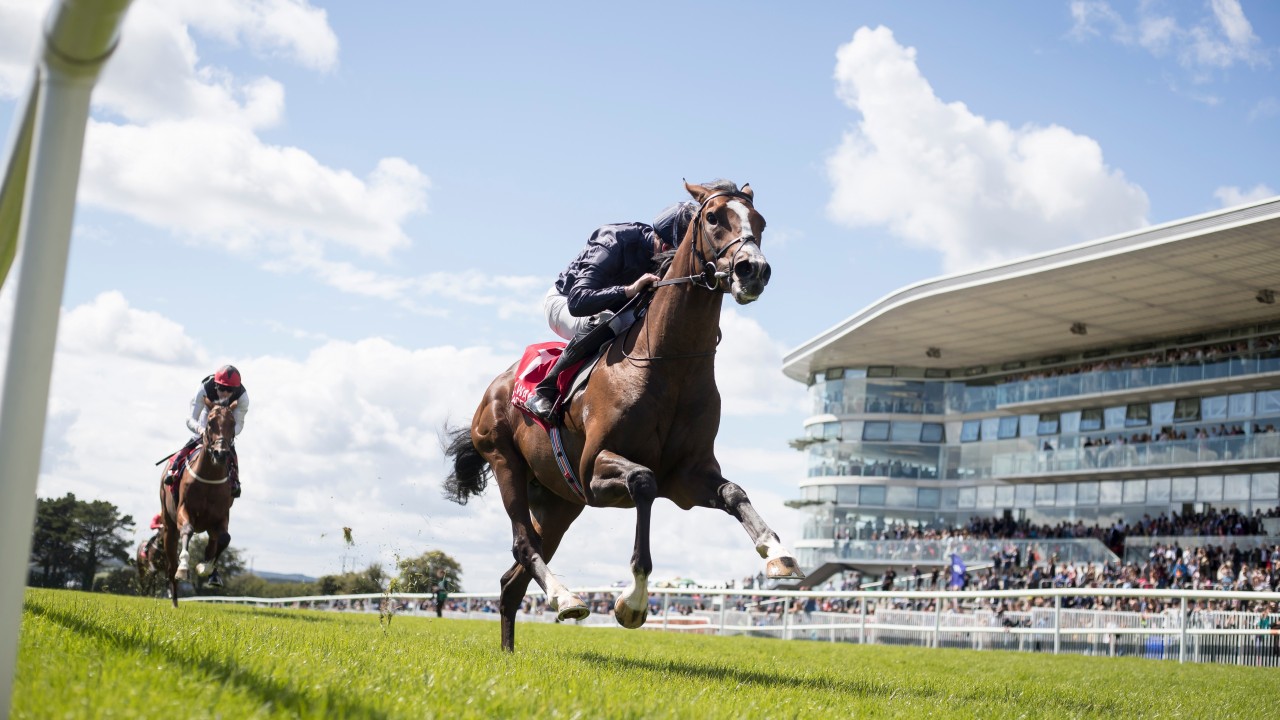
711,218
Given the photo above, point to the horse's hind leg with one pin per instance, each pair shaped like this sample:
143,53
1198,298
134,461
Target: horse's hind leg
552,516
171,557
512,474
617,478
219,540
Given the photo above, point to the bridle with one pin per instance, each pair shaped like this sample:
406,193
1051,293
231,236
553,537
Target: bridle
207,446
709,278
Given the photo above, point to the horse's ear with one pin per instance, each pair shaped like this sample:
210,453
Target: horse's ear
698,192
746,190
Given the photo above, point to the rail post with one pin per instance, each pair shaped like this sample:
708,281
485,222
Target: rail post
862,629
1057,623
1182,632
724,602
786,619
666,607
937,623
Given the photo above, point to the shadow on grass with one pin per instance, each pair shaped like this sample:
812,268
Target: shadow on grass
863,688
220,671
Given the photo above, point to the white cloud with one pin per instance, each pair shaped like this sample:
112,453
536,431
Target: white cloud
1218,40
1230,195
749,370
941,177
175,142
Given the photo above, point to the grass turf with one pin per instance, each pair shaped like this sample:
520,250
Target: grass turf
101,656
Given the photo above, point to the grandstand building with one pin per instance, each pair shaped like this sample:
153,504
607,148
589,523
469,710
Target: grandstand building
1134,375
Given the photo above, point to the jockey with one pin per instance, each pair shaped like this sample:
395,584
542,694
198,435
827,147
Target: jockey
222,388
157,524
614,267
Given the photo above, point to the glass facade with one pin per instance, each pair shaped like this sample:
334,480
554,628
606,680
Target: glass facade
904,448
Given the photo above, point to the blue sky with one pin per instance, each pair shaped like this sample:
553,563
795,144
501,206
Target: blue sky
361,204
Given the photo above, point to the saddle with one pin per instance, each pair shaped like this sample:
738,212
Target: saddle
532,368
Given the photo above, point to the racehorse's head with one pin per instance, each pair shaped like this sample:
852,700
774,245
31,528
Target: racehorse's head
220,432
726,238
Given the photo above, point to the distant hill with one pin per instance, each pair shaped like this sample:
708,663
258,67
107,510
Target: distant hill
282,577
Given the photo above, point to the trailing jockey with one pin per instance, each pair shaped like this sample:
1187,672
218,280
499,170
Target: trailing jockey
615,266
221,388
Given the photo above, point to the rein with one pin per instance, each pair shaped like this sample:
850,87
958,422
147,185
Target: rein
191,468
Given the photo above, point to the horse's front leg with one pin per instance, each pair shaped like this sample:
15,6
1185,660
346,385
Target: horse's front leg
219,540
185,531
720,493
616,479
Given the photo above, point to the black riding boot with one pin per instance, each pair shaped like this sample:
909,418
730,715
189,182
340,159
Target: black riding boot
582,346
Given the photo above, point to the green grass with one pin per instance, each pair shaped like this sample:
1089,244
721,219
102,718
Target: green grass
103,656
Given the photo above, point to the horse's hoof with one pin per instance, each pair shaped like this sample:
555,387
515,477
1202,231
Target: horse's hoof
781,567
214,581
575,609
201,570
627,617
181,574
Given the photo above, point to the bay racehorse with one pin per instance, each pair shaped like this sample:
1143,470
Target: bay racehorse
202,502
644,427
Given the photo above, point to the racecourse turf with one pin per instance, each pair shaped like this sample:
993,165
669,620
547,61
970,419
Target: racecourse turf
102,656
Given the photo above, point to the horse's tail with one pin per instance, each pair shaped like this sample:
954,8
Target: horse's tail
470,474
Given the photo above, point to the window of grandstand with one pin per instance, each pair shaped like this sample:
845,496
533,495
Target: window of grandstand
1268,402
1110,492
1047,424
1008,428
1266,486
1235,487
1158,491
1090,420
929,498
905,431
1088,493
1045,495
1027,425
1240,405
987,496
1213,408
1135,492
990,428
969,430
1114,417
968,498
1186,410
871,495
1209,488
875,431
847,494
1162,413
1137,415
899,496
1004,496
1066,495
1184,489
932,433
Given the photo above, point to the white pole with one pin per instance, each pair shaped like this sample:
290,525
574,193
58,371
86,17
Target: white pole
1057,624
79,36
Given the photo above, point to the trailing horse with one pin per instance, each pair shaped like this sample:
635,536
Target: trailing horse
644,427
200,502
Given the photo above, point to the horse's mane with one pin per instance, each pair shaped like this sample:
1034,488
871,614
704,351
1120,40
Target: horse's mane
662,262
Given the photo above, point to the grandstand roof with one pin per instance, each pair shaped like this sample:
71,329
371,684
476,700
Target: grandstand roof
1187,276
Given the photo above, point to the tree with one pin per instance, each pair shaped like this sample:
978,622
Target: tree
418,574
53,544
98,527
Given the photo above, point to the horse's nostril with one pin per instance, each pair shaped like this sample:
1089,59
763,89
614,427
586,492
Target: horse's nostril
743,270
765,274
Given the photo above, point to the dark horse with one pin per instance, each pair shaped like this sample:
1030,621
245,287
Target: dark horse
203,502
644,428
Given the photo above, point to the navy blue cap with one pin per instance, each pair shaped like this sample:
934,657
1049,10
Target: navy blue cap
671,223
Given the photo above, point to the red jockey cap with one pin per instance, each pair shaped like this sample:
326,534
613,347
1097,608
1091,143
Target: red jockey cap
227,376
157,522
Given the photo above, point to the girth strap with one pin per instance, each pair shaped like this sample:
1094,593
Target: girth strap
566,467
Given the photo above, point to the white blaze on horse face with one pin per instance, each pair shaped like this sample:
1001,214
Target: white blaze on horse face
744,217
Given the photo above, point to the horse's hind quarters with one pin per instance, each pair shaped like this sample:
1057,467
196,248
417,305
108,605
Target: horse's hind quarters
781,567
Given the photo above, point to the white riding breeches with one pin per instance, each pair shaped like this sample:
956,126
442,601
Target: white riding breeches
564,324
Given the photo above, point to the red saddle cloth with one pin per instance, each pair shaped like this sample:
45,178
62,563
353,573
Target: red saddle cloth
534,364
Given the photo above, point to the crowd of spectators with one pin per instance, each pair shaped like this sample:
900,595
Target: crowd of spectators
1199,354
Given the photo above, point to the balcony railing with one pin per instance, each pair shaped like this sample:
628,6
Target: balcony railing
1137,548
972,551
1106,381
1120,456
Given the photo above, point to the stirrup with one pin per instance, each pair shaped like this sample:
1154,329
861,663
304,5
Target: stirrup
541,407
